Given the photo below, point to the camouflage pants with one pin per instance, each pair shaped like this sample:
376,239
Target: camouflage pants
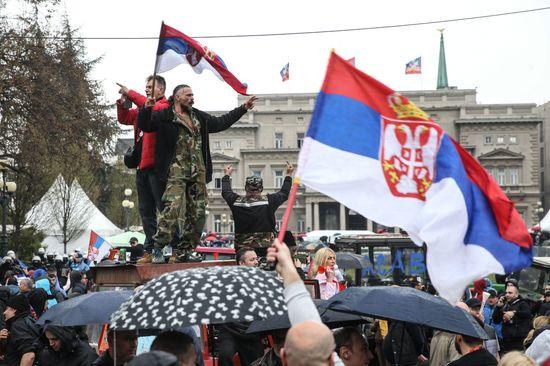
181,222
254,240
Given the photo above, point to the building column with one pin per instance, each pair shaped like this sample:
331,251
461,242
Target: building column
342,217
309,216
316,217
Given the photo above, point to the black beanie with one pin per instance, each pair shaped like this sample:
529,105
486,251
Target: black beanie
19,303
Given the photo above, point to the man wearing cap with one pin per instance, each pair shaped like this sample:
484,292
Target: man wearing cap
21,333
254,213
78,264
542,307
489,309
490,344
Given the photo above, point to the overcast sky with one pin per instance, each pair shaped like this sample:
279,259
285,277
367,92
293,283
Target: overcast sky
507,59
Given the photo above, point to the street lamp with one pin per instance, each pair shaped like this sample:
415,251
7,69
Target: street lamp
127,206
7,190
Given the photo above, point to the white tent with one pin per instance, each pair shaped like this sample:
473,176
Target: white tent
68,206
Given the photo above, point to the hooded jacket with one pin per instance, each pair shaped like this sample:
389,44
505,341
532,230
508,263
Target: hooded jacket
23,338
73,352
520,324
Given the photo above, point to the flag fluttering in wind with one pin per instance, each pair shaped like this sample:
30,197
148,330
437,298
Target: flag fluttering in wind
98,248
414,66
376,152
285,72
175,48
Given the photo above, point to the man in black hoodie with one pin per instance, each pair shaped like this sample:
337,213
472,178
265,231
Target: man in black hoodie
182,159
63,348
20,337
515,314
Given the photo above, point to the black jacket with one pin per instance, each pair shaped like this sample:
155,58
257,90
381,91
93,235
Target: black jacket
73,352
520,324
255,218
161,122
23,338
481,357
404,343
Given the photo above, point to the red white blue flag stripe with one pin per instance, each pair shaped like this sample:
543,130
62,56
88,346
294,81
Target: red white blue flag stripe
377,153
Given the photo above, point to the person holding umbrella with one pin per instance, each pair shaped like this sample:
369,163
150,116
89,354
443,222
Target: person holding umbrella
472,351
123,344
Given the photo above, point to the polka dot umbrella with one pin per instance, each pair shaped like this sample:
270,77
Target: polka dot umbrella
202,295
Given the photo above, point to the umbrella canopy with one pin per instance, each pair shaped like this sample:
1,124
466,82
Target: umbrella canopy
92,308
332,319
123,239
351,261
202,295
408,305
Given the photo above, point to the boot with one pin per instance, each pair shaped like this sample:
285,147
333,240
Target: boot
158,258
146,259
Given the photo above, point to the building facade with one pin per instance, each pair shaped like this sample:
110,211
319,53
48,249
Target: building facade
505,138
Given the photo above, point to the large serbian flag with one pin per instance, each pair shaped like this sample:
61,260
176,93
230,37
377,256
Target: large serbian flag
98,248
175,48
373,150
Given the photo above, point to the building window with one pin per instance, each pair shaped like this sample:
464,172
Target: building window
279,222
501,177
470,150
217,183
256,173
301,226
217,144
229,144
279,178
278,118
299,139
488,139
217,223
513,139
278,140
300,118
514,176
541,157
500,140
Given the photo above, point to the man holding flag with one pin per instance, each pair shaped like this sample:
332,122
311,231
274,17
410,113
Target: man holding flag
183,158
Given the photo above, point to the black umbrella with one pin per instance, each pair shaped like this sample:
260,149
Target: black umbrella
408,305
332,319
202,295
347,260
92,308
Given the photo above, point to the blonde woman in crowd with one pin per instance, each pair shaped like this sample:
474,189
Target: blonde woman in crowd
516,358
538,322
325,271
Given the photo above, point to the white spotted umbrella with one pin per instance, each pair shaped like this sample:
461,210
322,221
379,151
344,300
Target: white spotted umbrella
202,295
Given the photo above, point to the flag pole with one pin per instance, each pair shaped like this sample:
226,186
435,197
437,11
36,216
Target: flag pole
289,206
156,64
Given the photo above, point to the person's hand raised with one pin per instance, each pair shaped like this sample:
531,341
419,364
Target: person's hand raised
150,103
123,89
280,254
249,104
289,169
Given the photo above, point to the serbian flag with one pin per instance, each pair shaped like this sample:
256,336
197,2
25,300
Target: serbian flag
376,152
285,72
98,248
175,48
414,66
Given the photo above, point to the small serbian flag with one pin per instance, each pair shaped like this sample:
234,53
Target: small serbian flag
414,66
285,73
175,48
98,248
377,153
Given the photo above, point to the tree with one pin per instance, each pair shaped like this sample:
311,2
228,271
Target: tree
53,119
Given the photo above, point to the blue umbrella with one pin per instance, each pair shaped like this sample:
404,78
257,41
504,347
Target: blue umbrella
408,305
92,308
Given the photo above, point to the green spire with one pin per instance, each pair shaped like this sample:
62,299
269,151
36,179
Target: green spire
442,82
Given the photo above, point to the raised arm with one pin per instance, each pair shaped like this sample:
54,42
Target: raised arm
227,193
223,122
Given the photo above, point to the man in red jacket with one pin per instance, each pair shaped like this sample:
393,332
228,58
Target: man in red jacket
150,186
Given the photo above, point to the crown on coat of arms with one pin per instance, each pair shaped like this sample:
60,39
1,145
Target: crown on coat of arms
405,109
